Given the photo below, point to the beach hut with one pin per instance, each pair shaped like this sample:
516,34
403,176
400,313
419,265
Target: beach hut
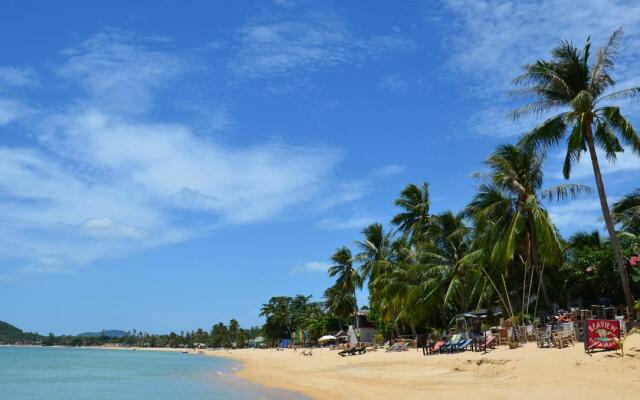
257,342
365,329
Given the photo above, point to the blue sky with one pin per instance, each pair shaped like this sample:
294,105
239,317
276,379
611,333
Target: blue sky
166,165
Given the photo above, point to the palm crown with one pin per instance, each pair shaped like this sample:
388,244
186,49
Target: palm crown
569,81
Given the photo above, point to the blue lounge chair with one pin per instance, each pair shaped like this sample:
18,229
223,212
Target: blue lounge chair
451,344
462,345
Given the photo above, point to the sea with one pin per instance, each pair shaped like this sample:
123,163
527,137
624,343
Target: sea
60,373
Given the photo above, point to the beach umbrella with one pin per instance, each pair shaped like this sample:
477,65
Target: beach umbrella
326,337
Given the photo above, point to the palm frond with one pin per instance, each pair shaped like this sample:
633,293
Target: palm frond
608,142
566,191
620,124
549,133
604,63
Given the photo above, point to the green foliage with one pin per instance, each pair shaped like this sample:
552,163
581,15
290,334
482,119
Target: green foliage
580,86
10,334
590,270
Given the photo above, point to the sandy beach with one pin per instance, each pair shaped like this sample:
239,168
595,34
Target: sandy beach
524,373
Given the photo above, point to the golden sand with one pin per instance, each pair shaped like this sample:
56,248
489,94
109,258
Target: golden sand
523,373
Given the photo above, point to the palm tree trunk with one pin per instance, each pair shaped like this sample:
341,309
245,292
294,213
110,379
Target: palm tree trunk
536,264
613,237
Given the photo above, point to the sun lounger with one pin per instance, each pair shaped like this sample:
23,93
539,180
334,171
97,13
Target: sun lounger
435,348
401,346
450,345
353,352
462,345
345,353
488,342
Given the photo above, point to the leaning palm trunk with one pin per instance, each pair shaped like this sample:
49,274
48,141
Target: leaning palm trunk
613,236
536,265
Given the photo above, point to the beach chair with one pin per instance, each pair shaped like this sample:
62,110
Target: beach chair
435,348
544,336
400,346
488,342
360,350
346,352
450,345
562,338
462,345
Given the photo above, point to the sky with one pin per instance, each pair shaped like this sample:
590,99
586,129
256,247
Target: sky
165,165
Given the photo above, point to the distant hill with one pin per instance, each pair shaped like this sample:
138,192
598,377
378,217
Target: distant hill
112,333
11,334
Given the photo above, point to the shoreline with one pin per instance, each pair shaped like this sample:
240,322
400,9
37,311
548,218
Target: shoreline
524,373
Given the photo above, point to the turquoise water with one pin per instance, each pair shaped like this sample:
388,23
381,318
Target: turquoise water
38,373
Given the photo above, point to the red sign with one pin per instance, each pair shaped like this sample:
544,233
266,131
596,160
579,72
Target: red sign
602,334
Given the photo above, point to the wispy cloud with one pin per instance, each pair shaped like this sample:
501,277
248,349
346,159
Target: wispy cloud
120,73
351,222
12,110
627,161
277,46
102,181
577,215
13,77
317,266
310,267
347,192
393,83
490,40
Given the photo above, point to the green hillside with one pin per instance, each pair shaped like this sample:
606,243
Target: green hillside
11,334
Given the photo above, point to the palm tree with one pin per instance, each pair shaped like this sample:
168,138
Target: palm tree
348,280
584,239
568,81
626,212
339,302
374,252
510,213
415,202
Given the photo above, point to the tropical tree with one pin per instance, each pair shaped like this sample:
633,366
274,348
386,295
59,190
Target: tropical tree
581,88
374,250
348,279
626,212
278,318
514,224
415,203
340,303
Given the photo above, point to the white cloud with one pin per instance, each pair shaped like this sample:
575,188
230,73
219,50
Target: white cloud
490,40
12,110
393,83
628,161
577,215
103,181
354,222
118,72
275,47
349,191
316,266
11,76
105,227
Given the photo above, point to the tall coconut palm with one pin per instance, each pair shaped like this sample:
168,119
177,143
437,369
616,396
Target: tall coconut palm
626,212
340,302
510,207
348,280
581,88
374,251
415,202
